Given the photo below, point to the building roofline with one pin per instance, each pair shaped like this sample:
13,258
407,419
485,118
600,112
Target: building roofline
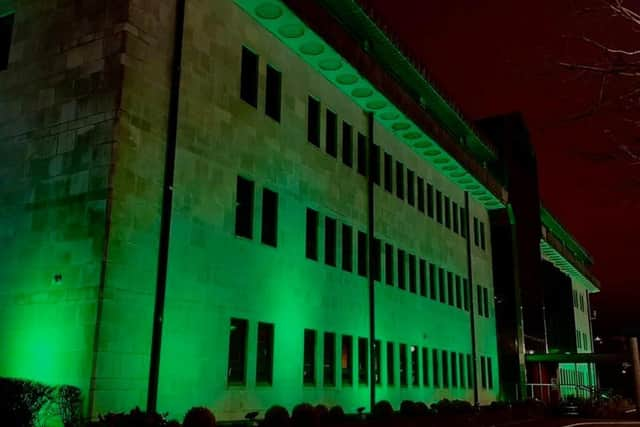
568,241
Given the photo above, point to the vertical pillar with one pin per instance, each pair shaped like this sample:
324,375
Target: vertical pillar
474,350
371,229
635,358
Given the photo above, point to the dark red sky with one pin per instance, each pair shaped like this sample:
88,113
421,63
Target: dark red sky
498,56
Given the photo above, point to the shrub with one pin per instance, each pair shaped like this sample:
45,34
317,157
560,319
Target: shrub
453,407
382,411
303,415
135,418
199,416
336,415
22,400
276,416
407,408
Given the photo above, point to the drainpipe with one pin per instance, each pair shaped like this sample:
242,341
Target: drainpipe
167,203
474,349
371,227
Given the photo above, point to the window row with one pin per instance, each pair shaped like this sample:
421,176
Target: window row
482,298
478,234
579,300
245,209
6,30
237,357
249,75
582,342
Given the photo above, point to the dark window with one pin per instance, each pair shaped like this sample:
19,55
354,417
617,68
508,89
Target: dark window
445,369
454,216
479,300
313,121
249,77
312,234
458,292
388,264
331,136
244,208
329,377
399,180
489,373
465,287
269,217
476,233
415,369
363,361
401,270
411,190
362,154
309,361
273,93
264,358
390,364
347,248
442,285
425,367
412,274
404,374
347,144
433,288
454,369
450,292
375,163
483,372
375,267
463,222
362,253
347,360
388,173
330,241
420,194
482,241
447,212
485,300
439,206
376,361
6,30
237,351
436,367
461,370
430,200
422,273
470,372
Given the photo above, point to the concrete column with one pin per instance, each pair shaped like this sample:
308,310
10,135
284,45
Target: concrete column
635,358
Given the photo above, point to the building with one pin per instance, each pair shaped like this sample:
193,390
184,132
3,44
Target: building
238,203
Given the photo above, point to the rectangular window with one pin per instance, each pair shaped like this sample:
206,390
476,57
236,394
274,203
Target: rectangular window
244,208
330,241
422,267
483,244
442,285
458,292
309,364
454,216
420,194
347,248
445,368
331,135
236,373
269,217
388,264
462,370
376,361
470,372
463,222
430,200
347,144
363,360
388,173
485,300
399,180
362,154
433,288
362,253
412,274
249,77
483,372
465,286
450,292
454,369
404,374
447,212
425,367
479,300
411,190
415,369
311,248
390,364
476,232
401,270
439,206
489,373
436,368
375,265
273,93
6,30
264,358
581,302
329,371
347,360
375,163
313,121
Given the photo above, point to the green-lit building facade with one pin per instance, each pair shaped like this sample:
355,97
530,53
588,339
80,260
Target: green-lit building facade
237,204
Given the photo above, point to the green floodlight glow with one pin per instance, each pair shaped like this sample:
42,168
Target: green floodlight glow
275,17
549,253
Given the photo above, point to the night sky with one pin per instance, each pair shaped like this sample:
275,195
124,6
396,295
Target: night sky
499,56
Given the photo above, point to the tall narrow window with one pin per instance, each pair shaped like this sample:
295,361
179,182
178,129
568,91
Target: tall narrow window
375,164
388,264
388,173
362,253
445,368
309,357
442,285
436,367
6,30
476,232
347,248
485,300
391,366
347,144
483,372
430,200
313,121
404,374
412,274
273,93
347,360
483,245
264,357
375,265
312,234
439,206
450,292
425,367
433,287
470,372
479,300
399,180
411,189
269,217
401,270
455,216
462,370
458,292
465,286
363,361
489,373
330,241
362,154
463,222
454,369
447,212
331,136
376,362
249,77
244,208
329,363
415,368
420,194
422,273
236,373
